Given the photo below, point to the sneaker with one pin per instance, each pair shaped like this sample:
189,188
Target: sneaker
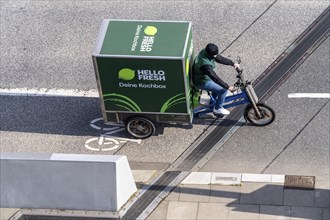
221,111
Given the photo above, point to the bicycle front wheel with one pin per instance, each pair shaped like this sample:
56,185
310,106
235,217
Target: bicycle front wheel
266,117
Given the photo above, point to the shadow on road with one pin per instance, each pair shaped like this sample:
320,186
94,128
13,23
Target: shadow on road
69,116
49,115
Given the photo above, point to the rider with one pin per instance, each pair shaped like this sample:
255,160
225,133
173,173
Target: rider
205,78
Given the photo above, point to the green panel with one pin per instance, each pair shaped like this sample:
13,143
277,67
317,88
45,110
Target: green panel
145,38
142,85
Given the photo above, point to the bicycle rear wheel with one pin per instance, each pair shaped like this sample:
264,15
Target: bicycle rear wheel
140,127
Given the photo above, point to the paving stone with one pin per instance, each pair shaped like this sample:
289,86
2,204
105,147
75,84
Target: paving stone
261,193
225,194
160,212
194,193
239,211
274,212
182,210
212,211
322,198
326,214
299,212
142,176
298,197
322,194
174,195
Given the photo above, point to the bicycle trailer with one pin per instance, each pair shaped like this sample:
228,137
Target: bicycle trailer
142,73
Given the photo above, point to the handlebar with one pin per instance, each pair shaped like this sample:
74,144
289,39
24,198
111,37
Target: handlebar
239,75
239,72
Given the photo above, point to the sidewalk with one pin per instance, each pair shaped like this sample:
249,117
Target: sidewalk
258,196
210,195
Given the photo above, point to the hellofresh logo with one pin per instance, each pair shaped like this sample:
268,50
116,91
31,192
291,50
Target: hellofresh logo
126,74
148,79
150,30
147,34
144,75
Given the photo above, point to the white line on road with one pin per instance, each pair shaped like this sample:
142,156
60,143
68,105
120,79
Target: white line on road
49,92
309,95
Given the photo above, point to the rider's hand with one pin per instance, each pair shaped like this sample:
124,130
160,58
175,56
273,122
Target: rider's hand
232,88
236,65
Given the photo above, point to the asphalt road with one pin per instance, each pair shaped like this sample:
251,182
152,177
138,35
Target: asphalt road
298,142
47,45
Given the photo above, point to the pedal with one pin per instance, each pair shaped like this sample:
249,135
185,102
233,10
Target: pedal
218,115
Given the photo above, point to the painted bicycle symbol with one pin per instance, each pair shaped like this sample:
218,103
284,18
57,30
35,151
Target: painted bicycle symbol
106,141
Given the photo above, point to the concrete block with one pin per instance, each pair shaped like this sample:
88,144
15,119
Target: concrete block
65,181
262,178
226,178
278,178
198,178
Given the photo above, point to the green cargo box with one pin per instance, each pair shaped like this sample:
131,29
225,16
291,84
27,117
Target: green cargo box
142,70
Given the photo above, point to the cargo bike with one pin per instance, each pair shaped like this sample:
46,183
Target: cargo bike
143,74
257,113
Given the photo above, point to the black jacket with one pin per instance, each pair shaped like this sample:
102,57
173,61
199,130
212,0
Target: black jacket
207,70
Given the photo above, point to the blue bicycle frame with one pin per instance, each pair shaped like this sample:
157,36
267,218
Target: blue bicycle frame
232,101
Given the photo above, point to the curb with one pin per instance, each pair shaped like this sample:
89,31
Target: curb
231,179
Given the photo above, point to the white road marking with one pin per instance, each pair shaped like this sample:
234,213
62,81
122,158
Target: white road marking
49,92
93,125
309,95
99,143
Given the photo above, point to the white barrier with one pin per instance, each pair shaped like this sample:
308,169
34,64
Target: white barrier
65,181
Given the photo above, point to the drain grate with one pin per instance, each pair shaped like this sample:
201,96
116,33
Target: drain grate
299,182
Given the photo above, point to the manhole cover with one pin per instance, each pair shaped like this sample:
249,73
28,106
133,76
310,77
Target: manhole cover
299,182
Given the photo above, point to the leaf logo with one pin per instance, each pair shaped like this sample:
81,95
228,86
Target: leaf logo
122,101
150,30
126,74
175,100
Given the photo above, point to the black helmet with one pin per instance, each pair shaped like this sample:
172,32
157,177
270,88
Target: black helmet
212,49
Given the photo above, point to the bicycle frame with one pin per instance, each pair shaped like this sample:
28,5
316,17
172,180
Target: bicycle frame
246,96
239,99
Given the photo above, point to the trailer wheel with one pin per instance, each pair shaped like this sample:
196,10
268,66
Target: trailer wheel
140,127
